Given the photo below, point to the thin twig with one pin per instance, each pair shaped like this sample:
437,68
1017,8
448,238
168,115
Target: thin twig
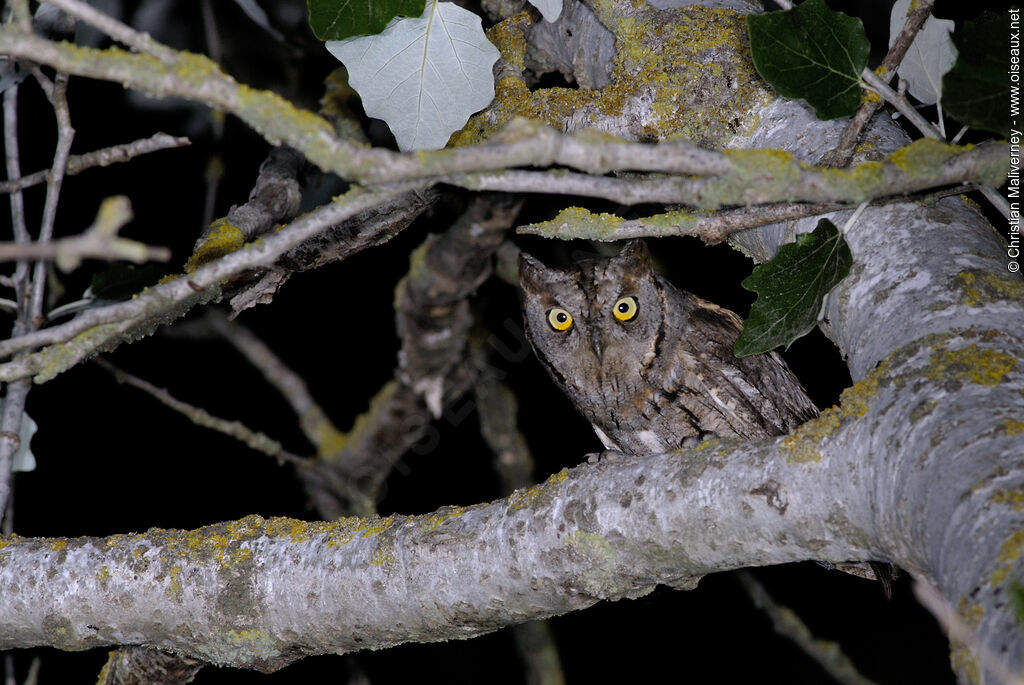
166,296
99,241
199,416
115,29
843,153
960,632
54,183
825,653
317,428
103,157
901,104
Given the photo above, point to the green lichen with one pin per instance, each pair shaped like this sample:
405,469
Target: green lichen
576,222
221,238
600,556
924,157
856,184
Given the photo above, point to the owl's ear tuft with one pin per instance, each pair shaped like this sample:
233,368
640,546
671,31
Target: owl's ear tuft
634,256
531,272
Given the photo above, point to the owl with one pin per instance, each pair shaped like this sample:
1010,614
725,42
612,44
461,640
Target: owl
649,365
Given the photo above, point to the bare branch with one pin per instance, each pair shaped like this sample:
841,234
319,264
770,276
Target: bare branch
105,157
827,654
199,416
316,426
167,297
916,19
115,29
965,635
790,180
99,241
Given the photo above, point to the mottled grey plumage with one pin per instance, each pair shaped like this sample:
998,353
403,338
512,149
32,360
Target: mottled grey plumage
666,374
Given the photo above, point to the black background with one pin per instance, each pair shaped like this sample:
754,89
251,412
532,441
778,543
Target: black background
112,460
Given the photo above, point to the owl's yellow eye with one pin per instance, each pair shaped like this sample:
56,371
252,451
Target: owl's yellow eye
625,308
560,319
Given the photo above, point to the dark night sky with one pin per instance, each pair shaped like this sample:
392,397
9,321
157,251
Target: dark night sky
112,460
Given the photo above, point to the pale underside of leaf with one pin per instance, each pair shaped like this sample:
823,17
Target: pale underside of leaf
930,56
549,9
424,76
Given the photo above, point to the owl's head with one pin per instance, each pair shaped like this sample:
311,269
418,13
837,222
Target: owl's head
596,325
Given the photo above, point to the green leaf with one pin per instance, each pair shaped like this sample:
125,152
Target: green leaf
812,53
790,289
341,19
976,91
423,76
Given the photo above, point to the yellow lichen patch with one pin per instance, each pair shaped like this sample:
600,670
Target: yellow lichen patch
1012,427
964,661
971,364
1009,552
803,445
258,642
247,527
687,70
293,529
970,612
1014,497
854,400
507,36
378,525
222,238
978,288
57,545
103,574
558,477
523,498
433,521
174,589
382,555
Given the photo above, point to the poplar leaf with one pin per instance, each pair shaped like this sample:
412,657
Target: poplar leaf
341,19
425,76
549,9
929,57
791,287
812,53
977,88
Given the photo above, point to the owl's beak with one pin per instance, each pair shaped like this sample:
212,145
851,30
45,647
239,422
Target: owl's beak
596,342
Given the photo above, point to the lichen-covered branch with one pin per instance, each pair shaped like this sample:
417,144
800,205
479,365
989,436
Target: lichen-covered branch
99,329
433,321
